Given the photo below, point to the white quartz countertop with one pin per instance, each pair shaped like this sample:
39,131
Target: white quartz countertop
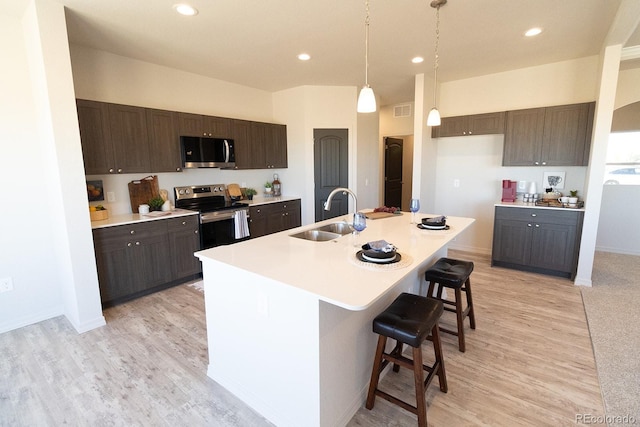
261,200
329,269
131,218
521,204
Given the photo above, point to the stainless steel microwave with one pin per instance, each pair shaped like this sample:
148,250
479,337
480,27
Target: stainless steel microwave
203,152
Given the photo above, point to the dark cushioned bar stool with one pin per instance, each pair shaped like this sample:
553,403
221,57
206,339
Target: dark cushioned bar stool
453,274
408,320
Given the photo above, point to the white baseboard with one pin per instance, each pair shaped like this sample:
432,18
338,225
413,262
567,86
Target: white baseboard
31,319
617,250
87,326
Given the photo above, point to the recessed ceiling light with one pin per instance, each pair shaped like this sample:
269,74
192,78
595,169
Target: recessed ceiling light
417,59
304,57
533,32
185,9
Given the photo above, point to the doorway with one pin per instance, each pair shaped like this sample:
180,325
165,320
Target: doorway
393,153
331,170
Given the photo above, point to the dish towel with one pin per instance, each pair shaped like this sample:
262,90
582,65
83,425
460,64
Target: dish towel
242,225
381,246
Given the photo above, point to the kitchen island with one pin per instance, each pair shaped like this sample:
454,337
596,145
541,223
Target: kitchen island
289,320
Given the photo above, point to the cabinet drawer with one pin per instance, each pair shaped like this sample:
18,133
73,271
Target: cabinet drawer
185,222
553,216
123,233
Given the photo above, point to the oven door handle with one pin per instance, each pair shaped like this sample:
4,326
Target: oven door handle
219,216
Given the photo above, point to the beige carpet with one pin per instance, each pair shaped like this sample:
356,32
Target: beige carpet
614,324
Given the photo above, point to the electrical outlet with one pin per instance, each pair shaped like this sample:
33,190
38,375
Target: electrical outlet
111,196
6,284
456,183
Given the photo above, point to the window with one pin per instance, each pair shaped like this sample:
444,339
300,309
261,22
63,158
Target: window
623,159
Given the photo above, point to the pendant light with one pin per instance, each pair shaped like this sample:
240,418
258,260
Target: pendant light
366,100
434,115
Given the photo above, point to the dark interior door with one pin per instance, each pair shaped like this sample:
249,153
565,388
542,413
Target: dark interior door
393,172
331,169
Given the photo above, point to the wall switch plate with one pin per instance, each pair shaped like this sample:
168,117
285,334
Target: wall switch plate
6,284
456,183
522,185
111,196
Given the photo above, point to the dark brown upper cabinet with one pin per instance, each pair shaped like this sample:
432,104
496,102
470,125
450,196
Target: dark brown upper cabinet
475,124
97,150
259,145
199,125
164,141
126,139
549,136
114,138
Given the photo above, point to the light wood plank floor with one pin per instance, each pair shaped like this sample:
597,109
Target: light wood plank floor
528,363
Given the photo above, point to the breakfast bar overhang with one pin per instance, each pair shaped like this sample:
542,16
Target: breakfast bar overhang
289,320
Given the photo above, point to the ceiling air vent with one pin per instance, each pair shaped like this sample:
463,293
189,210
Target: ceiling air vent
403,110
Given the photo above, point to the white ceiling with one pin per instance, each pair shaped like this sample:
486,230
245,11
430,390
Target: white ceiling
255,42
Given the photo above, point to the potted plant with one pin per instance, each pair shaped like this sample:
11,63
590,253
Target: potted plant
250,192
574,193
156,203
267,187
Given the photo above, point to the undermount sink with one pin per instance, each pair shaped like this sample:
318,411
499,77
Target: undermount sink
325,232
316,235
340,228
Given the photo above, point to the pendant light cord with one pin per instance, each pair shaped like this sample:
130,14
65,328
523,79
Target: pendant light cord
366,45
435,63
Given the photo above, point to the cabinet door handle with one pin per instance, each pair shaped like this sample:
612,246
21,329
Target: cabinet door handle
196,231
132,232
536,163
528,225
544,163
534,215
110,170
129,244
137,243
184,222
119,170
537,225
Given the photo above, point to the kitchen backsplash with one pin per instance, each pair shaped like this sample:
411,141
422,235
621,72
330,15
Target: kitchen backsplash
118,184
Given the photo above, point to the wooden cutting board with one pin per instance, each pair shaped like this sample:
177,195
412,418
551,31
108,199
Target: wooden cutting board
234,190
378,215
143,190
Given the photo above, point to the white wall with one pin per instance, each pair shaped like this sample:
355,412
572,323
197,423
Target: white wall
103,76
47,248
328,107
106,77
619,223
477,161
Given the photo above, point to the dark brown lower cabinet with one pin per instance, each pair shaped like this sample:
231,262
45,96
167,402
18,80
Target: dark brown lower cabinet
137,259
184,240
274,217
540,240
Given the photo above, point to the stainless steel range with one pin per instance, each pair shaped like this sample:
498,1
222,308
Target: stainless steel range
217,212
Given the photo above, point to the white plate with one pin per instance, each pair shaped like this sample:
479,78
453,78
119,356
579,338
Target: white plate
379,260
433,227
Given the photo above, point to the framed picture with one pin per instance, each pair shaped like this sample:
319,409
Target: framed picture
554,180
95,191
